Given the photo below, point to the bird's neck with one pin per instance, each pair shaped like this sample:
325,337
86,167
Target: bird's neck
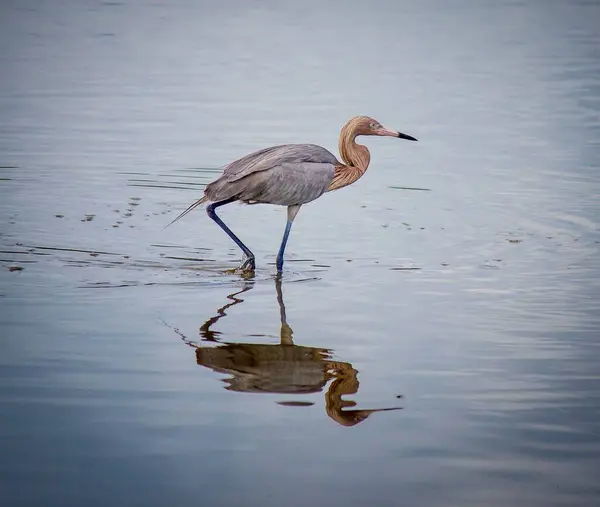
356,158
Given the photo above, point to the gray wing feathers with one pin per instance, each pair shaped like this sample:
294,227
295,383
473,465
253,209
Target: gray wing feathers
288,184
277,155
286,175
284,184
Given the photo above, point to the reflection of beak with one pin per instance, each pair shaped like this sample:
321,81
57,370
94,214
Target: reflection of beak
395,133
354,417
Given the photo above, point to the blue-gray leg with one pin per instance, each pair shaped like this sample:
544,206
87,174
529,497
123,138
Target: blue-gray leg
210,210
292,211
288,228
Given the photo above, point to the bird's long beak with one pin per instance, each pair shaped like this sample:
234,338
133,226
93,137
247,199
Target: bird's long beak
395,133
405,136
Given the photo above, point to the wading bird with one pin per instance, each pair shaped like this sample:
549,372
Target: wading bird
291,175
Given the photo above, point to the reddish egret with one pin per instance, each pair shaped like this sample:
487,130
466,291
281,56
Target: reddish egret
291,175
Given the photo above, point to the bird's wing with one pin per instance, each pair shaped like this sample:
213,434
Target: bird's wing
275,156
287,184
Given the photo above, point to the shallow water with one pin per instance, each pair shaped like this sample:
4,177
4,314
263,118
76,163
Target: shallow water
455,286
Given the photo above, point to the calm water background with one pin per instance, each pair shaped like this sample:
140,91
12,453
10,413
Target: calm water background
473,305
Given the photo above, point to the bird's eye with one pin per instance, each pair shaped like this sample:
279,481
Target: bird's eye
372,125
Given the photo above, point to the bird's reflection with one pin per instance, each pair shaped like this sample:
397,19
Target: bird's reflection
281,368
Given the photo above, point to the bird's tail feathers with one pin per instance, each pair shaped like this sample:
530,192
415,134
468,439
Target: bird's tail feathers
190,208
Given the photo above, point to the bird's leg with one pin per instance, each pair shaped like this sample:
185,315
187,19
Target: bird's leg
288,228
210,210
292,211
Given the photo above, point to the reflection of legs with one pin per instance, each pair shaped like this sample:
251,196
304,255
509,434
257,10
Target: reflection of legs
205,329
292,212
286,333
210,209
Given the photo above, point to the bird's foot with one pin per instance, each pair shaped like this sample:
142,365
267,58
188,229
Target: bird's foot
248,265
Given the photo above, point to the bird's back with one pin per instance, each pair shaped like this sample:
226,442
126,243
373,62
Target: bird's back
267,158
287,175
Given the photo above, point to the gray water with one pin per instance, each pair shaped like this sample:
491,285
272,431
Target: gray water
457,282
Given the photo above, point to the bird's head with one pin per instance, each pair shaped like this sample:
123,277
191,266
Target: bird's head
366,126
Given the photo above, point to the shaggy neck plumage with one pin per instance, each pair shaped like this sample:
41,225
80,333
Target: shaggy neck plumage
356,157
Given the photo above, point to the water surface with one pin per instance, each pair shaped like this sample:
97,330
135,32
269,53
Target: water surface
434,337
